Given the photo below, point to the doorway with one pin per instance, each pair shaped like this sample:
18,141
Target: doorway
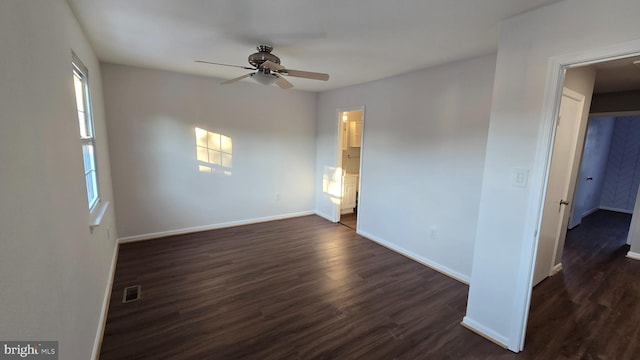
607,182
350,122
567,280
569,177
608,178
561,183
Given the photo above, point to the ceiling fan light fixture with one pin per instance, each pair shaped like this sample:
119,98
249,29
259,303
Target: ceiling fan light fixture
264,79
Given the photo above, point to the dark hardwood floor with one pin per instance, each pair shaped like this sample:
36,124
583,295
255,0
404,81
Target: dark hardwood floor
349,220
306,288
590,310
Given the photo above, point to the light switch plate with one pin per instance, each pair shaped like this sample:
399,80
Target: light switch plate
520,177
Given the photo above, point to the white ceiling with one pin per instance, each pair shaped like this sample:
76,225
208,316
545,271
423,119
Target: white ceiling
355,41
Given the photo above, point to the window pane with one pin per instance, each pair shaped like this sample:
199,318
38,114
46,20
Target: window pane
88,157
89,183
92,187
80,86
90,173
77,84
83,125
85,159
92,159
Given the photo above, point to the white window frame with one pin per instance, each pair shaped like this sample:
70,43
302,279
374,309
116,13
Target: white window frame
87,134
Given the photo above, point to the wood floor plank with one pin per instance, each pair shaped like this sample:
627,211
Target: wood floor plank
306,288
575,313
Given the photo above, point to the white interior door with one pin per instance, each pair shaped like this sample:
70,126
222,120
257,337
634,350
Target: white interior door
555,216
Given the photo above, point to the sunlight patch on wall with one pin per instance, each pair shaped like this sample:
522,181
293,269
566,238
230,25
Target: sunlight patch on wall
213,152
332,183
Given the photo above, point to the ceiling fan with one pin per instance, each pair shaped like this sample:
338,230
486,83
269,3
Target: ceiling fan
268,69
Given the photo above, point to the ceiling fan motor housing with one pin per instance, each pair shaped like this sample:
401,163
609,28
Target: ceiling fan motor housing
263,54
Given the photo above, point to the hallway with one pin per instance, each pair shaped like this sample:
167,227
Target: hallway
591,309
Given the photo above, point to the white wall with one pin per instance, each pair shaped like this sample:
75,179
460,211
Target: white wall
151,119
594,165
518,134
623,166
53,272
424,141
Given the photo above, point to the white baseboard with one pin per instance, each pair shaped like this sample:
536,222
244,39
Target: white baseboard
102,322
415,257
624,211
485,332
633,255
572,225
556,269
324,216
587,213
161,234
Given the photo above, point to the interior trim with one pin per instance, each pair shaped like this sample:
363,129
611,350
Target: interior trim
102,322
633,255
417,258
161,234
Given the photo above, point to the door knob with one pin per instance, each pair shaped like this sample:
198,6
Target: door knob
562,202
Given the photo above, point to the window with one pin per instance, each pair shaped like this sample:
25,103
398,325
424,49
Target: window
85,122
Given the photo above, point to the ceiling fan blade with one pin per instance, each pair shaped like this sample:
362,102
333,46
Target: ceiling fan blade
306,74
283,83
272,66
214,63
236,79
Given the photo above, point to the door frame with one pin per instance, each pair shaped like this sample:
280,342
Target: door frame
551,106
338,147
